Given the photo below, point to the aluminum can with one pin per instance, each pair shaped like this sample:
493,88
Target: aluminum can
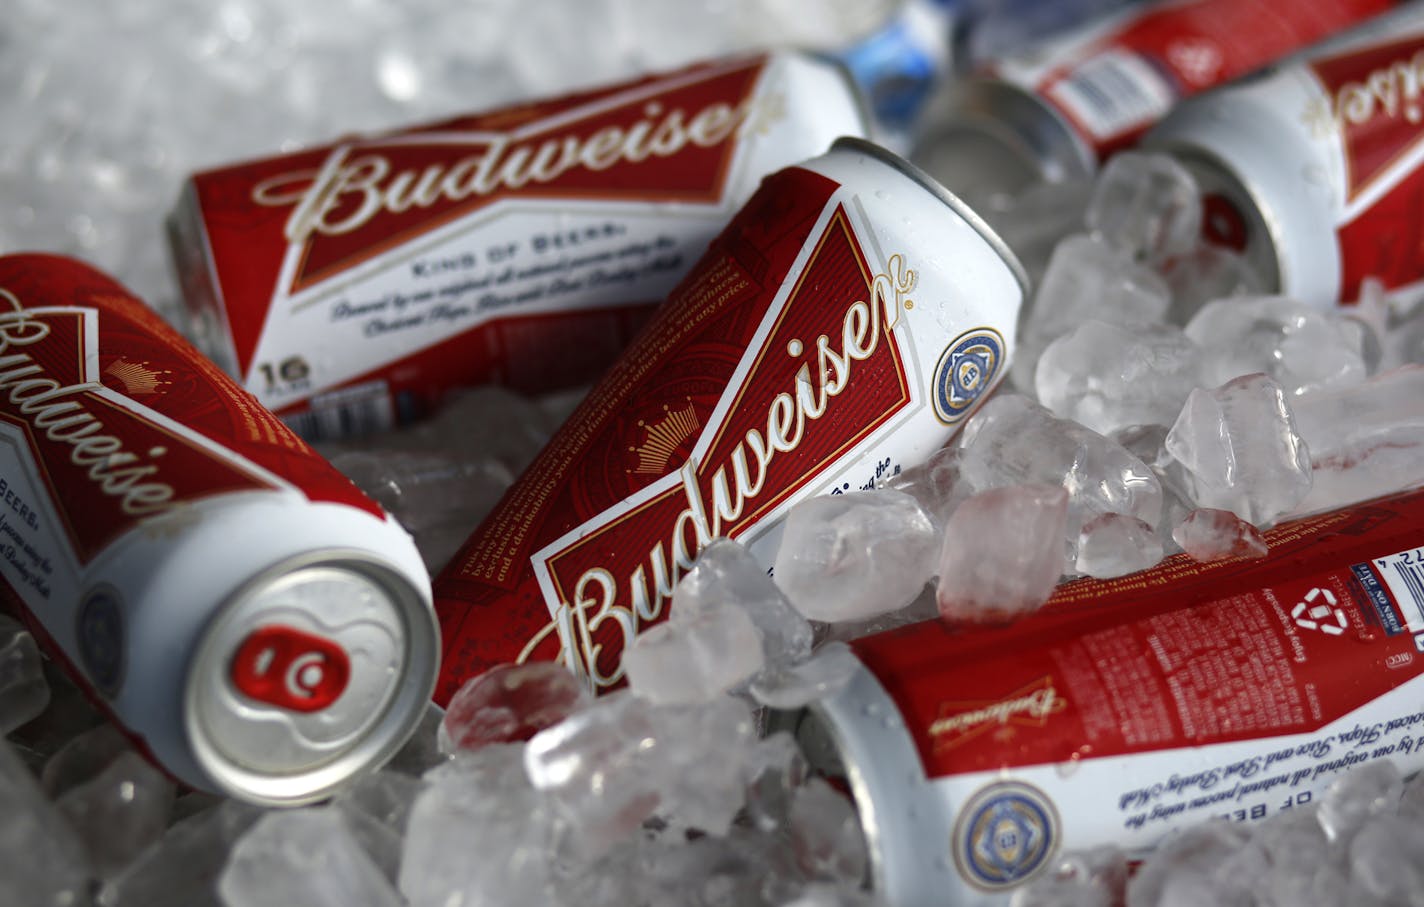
845,323
350,286
1055,111
1131,707
1312,169
255,623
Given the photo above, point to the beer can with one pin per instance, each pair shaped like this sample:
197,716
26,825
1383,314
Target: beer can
255,623
1312,170
349,286
1131,707
845,323
1056,110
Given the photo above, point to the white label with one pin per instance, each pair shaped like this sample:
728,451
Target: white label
1403,575
356,410
1113,93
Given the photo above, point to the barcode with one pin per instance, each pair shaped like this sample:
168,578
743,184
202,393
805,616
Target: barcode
1113,93
362,409
1403,574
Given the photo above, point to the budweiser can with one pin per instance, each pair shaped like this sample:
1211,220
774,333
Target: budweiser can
349,286
256,623
1131,707
1312,170
845,323
1055,111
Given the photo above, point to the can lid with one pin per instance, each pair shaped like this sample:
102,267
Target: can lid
313,671
980,226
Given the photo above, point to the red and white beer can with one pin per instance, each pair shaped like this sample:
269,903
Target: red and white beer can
1313,169
845,323
257,624
1131,707
349,286
1057,110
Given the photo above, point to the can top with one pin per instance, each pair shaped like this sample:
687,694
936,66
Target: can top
310,673
956,204
984,115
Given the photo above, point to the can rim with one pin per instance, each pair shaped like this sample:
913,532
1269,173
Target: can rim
952,201
1205,163
1059,151
380,741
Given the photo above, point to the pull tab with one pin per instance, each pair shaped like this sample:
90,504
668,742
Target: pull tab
290,668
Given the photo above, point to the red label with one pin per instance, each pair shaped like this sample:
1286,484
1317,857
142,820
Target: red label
1182,654
667,139
88,374
825,375
1197,44
1374,105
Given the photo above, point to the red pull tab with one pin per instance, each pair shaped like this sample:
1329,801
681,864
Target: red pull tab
290,668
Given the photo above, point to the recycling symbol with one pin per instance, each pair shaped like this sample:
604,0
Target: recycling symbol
1319,610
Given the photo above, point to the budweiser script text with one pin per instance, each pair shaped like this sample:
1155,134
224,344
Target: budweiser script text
57,411
1392,91
602,607
365,185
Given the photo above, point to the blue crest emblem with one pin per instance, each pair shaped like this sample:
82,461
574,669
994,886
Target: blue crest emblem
1005,834
967,368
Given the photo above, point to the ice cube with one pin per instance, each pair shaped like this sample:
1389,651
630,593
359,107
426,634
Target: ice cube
595,766
509,703
1352,799
1294,848
1365,440
1387,857
182,870
24,694
303,856
69,714
935,483
1012,440
422,751
1146,204
703,763
775,769
1079,878
825,894
696,657
613,765
478,834
1205,274
852,556
1003,552
1108,376
376,808
799,685
119,812
1085,278
1301,348
826,834
1241,452
42,861
83,757
1114,544
1184,865
1206,534
726,573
